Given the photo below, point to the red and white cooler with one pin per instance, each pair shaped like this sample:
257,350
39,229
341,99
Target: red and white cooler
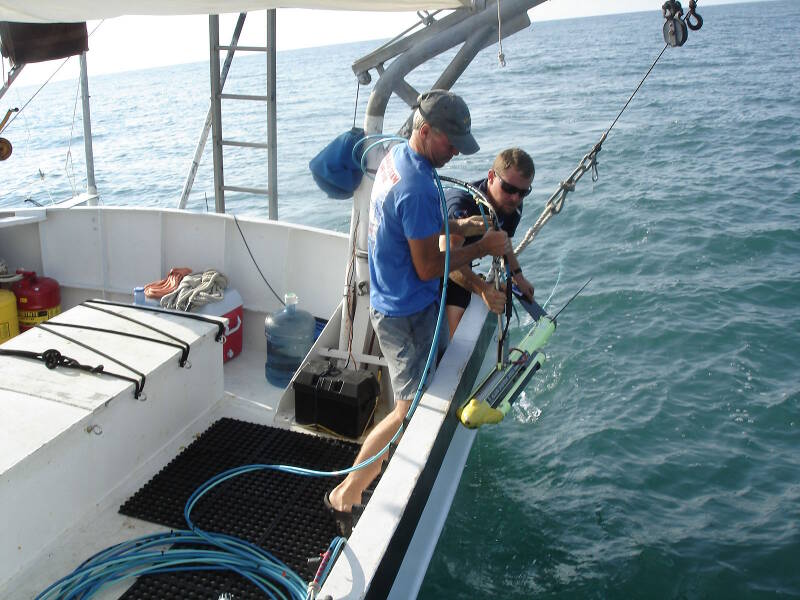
231,308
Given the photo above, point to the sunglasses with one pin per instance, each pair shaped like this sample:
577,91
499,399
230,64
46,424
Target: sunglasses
512,189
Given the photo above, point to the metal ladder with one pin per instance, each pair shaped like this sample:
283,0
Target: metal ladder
213,121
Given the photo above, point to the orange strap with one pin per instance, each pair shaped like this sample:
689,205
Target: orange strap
157,289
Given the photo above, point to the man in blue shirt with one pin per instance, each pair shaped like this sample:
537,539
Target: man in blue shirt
406,264
507,183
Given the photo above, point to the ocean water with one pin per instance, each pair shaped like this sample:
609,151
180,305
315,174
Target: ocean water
657,454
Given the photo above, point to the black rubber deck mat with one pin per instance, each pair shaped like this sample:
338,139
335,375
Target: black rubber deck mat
280,512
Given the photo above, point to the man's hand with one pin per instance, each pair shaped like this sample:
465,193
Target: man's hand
494,242
525,286
494,299
470,226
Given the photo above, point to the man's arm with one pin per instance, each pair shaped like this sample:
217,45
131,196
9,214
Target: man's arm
466,226
493,298
467,279
464,276
428,258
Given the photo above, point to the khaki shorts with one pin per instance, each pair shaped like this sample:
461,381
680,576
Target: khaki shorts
405,343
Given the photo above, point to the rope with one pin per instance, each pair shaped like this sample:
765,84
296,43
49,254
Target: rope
555,203
501,58
355,108
138,307
5,275
553,290
425,19
196,290
350,298
183,346
48,80
19,112
638,86
69,167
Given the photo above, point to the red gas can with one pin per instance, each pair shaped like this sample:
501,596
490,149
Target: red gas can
38,299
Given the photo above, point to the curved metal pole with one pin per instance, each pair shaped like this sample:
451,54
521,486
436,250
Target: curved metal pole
431,47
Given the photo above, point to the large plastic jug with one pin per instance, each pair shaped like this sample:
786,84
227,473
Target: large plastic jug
290,335
140,299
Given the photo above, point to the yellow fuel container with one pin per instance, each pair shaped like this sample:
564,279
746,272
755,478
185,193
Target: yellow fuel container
9,323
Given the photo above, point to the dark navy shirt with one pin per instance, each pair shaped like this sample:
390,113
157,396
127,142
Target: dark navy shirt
460,204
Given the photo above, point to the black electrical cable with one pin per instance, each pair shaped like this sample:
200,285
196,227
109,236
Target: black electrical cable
235,220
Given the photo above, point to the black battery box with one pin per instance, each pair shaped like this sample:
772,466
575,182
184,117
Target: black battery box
340,401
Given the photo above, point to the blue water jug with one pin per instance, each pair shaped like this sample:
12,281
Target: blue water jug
140,299
290,334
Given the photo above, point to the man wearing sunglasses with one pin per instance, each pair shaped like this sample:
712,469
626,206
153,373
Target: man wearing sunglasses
507,183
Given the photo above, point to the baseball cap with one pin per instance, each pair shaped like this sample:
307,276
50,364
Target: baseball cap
448,113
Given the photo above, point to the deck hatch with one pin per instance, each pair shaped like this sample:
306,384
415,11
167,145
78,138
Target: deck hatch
278,511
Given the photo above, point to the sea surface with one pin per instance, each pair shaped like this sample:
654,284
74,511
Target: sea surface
657,454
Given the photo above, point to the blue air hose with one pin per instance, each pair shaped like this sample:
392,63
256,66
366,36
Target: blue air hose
381,139
141,557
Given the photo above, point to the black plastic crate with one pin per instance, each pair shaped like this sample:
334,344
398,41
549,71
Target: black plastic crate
342,402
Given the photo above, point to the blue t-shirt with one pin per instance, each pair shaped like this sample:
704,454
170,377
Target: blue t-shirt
460,204
404,206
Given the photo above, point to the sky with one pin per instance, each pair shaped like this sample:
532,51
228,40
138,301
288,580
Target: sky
132,43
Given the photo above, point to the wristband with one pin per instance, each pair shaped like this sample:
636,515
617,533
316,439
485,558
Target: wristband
516,271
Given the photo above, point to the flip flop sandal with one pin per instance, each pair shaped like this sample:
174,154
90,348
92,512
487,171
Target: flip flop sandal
344,520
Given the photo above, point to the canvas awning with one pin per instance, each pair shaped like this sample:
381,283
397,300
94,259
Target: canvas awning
36,42
58,11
